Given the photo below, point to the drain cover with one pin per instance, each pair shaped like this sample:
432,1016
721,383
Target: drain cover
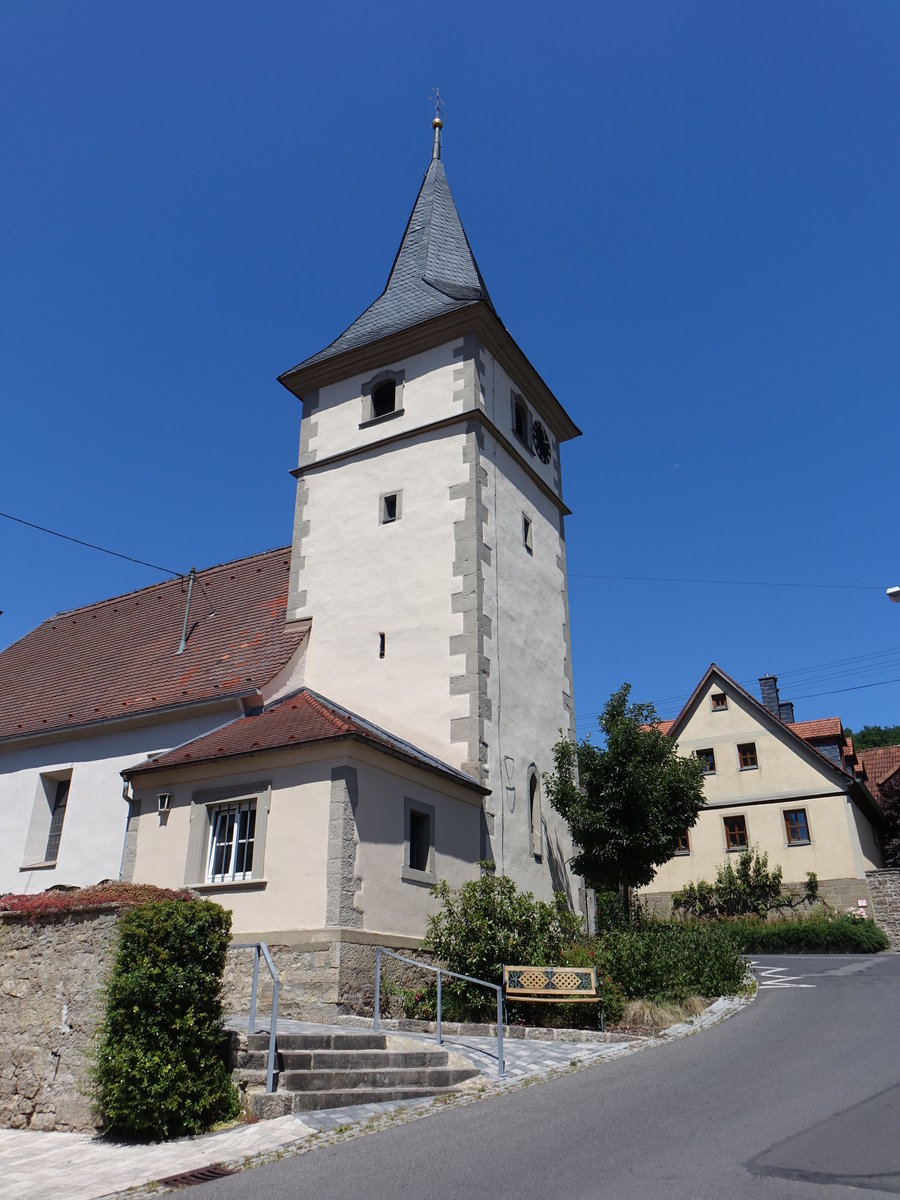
201,1175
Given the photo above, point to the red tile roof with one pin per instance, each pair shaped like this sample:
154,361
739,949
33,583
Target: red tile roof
119,657
879,763
299,719
826,727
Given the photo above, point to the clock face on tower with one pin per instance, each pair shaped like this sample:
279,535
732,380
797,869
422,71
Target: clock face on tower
540,441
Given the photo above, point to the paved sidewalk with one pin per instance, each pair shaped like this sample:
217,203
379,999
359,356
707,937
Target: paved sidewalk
74,1166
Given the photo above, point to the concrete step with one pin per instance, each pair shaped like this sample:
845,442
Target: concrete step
319,1041
385,1079
356,1060
312,1101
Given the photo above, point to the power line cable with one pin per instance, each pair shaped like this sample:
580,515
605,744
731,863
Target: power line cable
93,546
854,587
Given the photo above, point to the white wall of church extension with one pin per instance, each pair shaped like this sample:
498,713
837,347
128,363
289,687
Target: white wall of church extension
364,578
93,832
525,601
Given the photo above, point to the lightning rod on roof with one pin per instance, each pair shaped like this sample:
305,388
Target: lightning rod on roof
438,123
187,611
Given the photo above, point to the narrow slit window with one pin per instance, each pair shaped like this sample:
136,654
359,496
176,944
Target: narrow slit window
389,509
419,840
57,817
381,645
520,420
527,539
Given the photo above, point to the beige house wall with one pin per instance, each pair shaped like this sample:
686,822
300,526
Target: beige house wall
842,843
335,840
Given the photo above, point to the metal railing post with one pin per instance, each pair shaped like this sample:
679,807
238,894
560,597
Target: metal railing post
377,986
501,1066
273,1030
251,1024
439,1042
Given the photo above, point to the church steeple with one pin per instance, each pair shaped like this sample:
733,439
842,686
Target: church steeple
434,272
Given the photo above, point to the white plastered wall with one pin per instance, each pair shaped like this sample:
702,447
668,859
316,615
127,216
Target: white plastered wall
93,831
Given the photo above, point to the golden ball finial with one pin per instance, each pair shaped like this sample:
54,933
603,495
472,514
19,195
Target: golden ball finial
437,123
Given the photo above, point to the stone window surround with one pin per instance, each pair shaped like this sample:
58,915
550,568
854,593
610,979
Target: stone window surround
382,516
205,801
410,874
41,818
368,413
749,766
535,812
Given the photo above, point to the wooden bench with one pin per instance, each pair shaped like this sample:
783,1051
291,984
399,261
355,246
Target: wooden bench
553,985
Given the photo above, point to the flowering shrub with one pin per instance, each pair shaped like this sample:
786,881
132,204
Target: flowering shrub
99,895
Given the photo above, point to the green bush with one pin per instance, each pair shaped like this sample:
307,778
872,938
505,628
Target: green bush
160,1069
488,924
670,960
744,887
825,933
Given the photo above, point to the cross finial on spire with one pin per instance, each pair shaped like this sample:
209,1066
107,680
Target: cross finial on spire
438,123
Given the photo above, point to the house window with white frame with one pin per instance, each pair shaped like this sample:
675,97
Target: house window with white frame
231,841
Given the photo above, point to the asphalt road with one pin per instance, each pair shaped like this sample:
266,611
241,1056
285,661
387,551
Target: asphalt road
795,1098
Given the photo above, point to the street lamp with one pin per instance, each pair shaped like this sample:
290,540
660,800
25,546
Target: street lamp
893,594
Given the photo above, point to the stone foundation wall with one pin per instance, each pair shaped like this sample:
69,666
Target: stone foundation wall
839,894
884,886
52,972
323,975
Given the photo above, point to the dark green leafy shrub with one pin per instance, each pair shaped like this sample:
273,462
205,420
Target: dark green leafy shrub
670,960
160,1069
488,924
825,933
744,887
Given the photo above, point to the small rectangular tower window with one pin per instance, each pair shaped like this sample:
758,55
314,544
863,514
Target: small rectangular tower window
520,419
57,817
384,398
418,843
527,541
381,645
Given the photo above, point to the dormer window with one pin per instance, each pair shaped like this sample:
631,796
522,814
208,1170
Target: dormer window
382,397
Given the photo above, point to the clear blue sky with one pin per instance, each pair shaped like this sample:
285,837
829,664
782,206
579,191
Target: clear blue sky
687,215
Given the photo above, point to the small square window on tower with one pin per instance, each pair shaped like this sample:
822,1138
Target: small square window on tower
389,508
527,540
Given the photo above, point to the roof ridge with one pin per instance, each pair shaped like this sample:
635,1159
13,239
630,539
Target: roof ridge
245,558
319,705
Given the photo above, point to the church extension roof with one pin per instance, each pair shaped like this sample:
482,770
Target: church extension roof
118,657
302,718
434,272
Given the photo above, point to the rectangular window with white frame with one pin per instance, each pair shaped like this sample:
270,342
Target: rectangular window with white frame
231,839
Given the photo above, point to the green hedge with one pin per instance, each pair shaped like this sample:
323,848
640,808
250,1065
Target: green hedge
160,1070
835,933
670,960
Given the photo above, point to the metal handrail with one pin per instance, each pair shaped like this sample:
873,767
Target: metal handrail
261,950
441,971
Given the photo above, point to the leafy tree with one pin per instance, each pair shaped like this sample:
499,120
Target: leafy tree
875,735
629,801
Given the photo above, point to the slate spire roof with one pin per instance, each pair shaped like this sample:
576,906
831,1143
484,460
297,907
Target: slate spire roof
434,273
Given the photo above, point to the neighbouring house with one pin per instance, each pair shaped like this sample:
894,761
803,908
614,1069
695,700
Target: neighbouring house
365,713
879,766
790,788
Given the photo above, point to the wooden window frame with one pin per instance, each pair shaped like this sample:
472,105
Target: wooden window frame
735,847
792,841
706,756
747,750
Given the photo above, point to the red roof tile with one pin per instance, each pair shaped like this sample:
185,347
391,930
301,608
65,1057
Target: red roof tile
299,719
879,763
826,727
119,656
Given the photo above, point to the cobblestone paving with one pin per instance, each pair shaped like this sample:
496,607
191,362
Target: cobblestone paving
73,1166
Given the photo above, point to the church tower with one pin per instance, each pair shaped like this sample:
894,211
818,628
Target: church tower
429,548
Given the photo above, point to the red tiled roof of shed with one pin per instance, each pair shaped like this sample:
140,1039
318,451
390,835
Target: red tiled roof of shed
118,657
826,727
302,718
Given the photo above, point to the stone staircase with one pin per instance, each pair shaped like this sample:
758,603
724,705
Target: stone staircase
336,1070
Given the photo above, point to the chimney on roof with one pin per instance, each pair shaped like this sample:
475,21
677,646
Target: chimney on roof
768,689
786,711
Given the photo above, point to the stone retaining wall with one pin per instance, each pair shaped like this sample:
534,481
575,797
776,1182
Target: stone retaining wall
839,894
52,972
884,886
